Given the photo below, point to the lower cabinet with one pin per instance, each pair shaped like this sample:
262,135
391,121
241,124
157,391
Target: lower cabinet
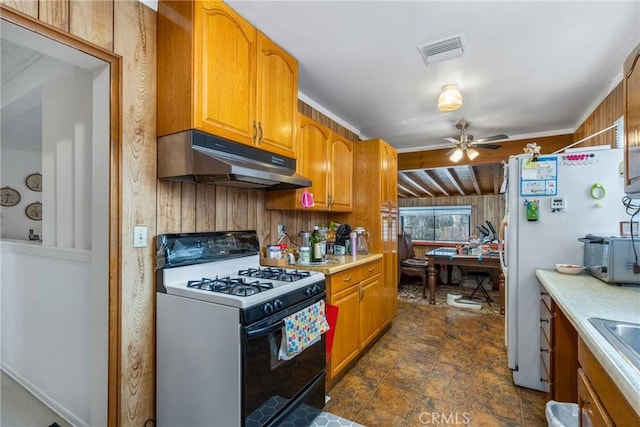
575,375
558,351
601,402
592,412
357,292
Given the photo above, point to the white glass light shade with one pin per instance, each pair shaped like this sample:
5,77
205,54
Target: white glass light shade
471,153
450,98
456,155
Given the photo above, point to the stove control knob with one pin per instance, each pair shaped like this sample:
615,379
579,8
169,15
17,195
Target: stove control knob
277,304
267,308
316,289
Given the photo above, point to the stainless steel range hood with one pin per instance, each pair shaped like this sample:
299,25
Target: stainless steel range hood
194,156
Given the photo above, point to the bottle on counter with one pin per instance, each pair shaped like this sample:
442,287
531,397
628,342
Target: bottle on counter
353,238
316,245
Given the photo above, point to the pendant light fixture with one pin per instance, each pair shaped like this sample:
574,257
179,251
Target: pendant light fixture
450,98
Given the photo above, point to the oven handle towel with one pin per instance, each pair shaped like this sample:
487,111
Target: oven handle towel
303,329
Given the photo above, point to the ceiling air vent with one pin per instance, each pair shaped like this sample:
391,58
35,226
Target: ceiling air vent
442,50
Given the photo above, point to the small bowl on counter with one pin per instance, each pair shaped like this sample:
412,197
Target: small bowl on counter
569,268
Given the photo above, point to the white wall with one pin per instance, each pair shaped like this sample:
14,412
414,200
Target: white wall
47,332
54,301
15,166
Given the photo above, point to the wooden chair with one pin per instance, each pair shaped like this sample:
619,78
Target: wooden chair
409,264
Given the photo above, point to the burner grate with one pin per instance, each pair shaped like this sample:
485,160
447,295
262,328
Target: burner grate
231,286
275,273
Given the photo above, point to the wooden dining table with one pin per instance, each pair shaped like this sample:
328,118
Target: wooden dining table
450,257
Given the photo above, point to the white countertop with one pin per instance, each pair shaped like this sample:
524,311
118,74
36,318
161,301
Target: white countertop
583,296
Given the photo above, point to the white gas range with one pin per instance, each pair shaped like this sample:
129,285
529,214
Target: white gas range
218,330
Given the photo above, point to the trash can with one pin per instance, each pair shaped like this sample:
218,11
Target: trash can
562,414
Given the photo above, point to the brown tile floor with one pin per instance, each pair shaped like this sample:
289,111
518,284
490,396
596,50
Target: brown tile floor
437,366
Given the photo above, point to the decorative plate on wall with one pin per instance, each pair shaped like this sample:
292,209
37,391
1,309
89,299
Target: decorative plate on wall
9,196
34,181
34,211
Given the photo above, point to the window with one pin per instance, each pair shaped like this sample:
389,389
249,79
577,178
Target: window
437,223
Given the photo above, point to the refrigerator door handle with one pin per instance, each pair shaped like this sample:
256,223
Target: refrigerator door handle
502,246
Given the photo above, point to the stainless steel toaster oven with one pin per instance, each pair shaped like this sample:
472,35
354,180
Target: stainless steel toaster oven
611,259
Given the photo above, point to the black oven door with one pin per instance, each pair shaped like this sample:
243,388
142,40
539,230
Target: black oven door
275,390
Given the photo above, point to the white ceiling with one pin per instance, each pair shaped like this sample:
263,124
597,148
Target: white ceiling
529,69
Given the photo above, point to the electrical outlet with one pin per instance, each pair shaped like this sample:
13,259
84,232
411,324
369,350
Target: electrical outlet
281,230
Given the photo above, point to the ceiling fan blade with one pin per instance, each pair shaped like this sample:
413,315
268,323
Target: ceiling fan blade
451,139
489,146
491,138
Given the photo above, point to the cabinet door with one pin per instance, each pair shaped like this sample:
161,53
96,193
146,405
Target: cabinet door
277,98
341,174
313,160
346,340
632,115
370,309
592,412
389,178
390,265
224,73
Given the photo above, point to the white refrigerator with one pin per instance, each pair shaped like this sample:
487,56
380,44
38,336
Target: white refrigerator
575,193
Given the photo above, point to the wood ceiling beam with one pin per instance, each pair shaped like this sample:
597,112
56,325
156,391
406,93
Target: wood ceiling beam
429,159
449,172
411,182
474,179
433,182
406,191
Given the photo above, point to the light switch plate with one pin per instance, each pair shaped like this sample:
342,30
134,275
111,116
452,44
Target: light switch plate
140,236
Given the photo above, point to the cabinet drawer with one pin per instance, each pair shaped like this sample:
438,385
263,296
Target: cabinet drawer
546,354
545,377
345,279
592,412
370,269
547,321
544,296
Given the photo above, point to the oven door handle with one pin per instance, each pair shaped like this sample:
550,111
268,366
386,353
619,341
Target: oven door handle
257,333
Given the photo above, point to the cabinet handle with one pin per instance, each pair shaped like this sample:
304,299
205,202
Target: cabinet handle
254,139
544,350
330,199
544,320
361,294
347,279
371,268
544,380
261,138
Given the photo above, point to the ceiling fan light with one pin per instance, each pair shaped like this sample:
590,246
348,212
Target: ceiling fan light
450,98
472,153
457,154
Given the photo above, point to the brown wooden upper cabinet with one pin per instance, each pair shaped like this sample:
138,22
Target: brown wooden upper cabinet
219,74
327,160
631,78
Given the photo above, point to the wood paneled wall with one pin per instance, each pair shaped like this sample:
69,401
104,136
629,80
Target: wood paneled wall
607,112
325,121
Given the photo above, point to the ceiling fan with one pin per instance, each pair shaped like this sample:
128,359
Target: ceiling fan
464,143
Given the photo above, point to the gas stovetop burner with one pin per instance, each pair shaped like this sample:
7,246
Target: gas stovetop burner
228,285
275,273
